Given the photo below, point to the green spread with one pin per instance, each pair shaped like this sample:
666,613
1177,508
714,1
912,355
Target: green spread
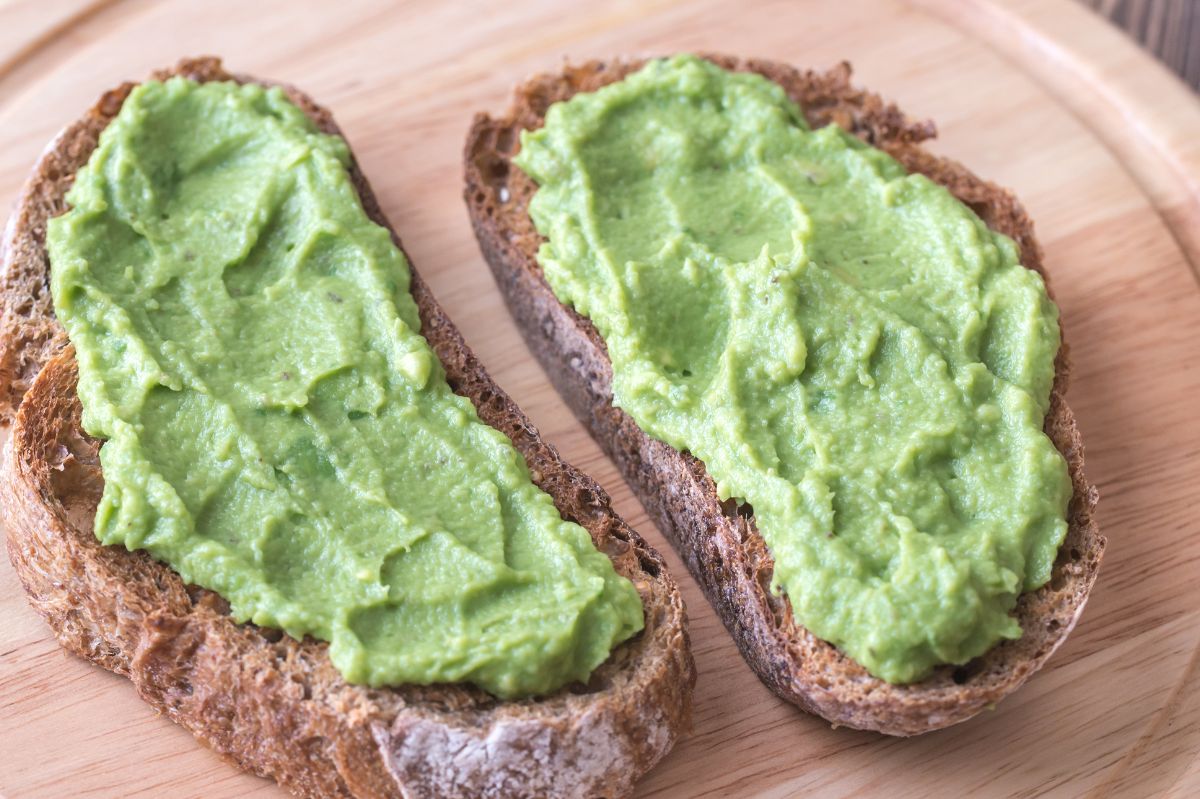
278,430
847,348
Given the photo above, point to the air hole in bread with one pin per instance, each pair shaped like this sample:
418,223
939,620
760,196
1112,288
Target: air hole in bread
271,634
964,674
615,547
983,210
585,497
315,746
539,103
195,593
732,509
648,565
505,140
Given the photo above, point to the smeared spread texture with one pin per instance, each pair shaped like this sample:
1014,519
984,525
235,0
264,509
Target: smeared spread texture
278,430
847,347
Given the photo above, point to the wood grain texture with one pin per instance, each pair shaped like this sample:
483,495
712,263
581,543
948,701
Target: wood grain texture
1088,131
1135,107
29,26
1170,29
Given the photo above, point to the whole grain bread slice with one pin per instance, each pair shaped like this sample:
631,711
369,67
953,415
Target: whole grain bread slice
718,540
271,704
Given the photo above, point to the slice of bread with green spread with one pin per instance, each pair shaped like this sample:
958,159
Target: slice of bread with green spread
719,540
268,702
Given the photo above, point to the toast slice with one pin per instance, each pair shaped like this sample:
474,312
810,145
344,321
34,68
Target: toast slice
718,540
274,705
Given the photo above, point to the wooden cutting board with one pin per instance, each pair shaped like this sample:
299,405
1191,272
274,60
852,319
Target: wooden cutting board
1101,143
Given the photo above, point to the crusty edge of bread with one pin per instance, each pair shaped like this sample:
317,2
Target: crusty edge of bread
718,541
269,703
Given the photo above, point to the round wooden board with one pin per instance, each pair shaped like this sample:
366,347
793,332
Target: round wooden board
1099,142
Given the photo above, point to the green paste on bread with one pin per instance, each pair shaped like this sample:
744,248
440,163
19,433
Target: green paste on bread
277,430
847,347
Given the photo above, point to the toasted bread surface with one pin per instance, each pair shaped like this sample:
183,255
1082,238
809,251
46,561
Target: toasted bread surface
270,703
718,540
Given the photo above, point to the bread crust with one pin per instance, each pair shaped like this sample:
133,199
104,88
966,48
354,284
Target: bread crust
718,540
269,703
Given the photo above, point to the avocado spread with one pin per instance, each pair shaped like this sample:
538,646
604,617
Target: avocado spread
847,347
277,429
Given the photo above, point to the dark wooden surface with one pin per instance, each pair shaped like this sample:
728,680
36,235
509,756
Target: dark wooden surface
1170,29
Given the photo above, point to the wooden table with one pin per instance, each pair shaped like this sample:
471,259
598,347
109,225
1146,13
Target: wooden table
1170,29
1101,142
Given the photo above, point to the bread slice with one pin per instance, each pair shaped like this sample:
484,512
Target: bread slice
718,540
270,703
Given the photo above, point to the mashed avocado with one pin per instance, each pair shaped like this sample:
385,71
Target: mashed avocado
279,431
845,346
